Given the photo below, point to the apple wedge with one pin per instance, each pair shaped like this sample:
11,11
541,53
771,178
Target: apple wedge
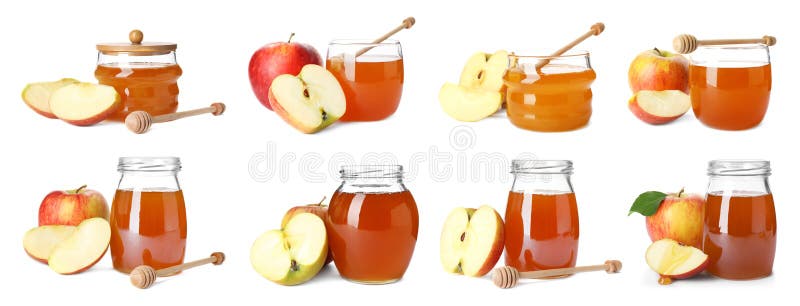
472,241
672,260
39,242
468,104
294,254
84,104
37,95
310,101
485,71
82,249
659,107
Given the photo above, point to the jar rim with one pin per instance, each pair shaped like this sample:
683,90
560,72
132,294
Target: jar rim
363,42
541,166
371,171
739,167
149,163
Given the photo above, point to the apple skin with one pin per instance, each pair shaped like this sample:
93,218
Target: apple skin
71,207
659,70
680,218
275,59
317,209
637,111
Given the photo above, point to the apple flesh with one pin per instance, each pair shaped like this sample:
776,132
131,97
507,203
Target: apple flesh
318,209
274,59
84,104
659,70
71,207
37,95
472,241
310,101
659,107
480,91
680,218
672,260
39,242
82,249
293,254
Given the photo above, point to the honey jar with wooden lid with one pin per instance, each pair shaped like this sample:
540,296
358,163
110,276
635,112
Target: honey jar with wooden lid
145,74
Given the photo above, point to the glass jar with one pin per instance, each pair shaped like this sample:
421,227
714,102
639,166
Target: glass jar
372,224
739,232
145,74
549,93
730,85
148,214
372,81
541,222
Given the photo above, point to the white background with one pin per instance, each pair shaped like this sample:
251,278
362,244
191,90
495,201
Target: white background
616,157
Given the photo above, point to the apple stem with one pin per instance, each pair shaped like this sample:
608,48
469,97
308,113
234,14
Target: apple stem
680,192
290,38
80,189
658,51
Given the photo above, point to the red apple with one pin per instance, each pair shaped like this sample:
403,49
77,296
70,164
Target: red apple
659,107
275,59
71,207
659,70
679,217
318,209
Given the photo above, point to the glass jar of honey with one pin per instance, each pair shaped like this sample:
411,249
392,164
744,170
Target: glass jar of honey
372,224
730,85
549,93
541,222
145,74
148,215
740,227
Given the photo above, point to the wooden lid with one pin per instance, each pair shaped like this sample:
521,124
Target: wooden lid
137,46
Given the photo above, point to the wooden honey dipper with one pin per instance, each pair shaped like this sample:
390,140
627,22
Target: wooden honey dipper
140,121
407,24
686,43
507,277
144,276
595,30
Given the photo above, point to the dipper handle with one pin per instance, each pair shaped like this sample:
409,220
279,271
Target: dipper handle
407,24
687,43
144,276
140,121
507,277
595,30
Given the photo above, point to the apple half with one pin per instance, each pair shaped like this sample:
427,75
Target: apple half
84,248
485,71
84,104
294,254
659,107
468,104
670,259
37,95
39,242
472,241
310,101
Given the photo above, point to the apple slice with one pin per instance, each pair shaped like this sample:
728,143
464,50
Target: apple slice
310,101
484,71
39,242
472,241
672,260
294,254
468,104
82,249
37,95
84,104
659,107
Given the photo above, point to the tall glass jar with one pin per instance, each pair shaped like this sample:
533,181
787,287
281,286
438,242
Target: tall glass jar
541,223
730,85
740,227
145,74
148,214
372,224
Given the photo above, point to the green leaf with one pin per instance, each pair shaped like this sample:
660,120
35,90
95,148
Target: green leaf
647,203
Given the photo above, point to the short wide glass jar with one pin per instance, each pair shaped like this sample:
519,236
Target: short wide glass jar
148,214
372,224
541,223
739,233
